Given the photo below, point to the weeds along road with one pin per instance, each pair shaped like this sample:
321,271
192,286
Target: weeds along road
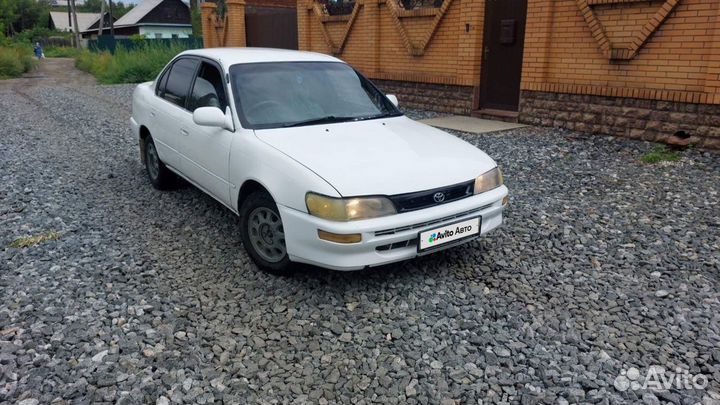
603,264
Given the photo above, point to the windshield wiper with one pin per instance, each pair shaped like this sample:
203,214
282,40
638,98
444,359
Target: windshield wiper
322,120
373,117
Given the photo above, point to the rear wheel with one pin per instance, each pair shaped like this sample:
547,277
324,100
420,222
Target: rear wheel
262,233
160,176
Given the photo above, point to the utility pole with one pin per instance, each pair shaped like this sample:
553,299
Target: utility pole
102,18
70,24
112,23
75,25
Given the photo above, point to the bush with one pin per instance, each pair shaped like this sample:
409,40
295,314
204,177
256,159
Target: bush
138,65
61,52
660,154
33,35
15,60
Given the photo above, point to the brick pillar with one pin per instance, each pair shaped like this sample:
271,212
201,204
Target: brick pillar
470,42
303,22
538,36
207,12
235,23
712,79
372,15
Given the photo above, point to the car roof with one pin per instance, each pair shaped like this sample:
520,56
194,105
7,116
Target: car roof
232,56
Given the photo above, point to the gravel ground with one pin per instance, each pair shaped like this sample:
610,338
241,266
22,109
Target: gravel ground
604,264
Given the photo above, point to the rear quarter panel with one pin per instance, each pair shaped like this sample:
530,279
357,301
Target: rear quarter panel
141,99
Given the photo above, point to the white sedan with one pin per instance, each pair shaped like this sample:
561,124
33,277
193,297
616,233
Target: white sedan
321,167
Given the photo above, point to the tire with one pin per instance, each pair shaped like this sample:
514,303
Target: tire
262,234
160,176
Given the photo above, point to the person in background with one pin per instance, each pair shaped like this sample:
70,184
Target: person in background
38,50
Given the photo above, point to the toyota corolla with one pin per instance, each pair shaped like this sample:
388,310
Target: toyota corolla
319,165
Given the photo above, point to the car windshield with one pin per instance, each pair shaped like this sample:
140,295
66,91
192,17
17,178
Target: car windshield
284,94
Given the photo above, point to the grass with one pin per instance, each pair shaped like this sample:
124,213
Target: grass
15,60
138,65
61,52
660,154
34,240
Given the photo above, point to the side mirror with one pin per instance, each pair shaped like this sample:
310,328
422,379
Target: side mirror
213,117
393,99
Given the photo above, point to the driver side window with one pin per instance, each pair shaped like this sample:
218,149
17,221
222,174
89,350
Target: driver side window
208,90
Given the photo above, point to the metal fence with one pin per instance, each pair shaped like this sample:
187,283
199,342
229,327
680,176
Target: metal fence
110,44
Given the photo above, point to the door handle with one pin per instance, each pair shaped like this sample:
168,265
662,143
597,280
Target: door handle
184,132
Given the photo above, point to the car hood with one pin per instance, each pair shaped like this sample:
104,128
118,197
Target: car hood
380,157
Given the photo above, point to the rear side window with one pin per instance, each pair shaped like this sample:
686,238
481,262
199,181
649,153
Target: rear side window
208,90
160,87
178,81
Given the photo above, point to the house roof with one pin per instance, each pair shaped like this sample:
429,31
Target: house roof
95,26
137,13
85,20
64,3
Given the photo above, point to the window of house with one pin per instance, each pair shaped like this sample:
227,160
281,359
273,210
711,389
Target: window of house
178,82
175,36
158,35
208,90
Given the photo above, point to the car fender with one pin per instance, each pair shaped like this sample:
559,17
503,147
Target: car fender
286,180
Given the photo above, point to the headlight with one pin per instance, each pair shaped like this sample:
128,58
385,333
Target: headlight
488,181
348,209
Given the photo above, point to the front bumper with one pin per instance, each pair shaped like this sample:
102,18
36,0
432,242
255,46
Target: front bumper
384,240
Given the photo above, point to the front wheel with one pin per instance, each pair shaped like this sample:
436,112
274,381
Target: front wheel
160,176
262,233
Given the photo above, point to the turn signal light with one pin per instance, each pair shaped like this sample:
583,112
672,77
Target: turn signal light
339,238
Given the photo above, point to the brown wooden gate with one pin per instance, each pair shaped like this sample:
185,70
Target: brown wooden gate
502,54
271,27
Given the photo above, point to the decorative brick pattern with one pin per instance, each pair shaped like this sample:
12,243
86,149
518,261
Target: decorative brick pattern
598,31
651,120
323,17
433,45
673,49
395,10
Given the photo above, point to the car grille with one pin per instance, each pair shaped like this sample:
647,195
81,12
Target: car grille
425,199
397,245
429,223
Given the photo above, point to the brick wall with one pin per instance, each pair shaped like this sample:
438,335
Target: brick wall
416,53
643,70
650,120
625,49
427,96
662,55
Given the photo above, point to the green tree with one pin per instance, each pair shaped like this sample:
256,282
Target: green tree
120,9
92,6
20,15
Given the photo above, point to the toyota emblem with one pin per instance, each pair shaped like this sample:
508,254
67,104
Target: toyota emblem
439,197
